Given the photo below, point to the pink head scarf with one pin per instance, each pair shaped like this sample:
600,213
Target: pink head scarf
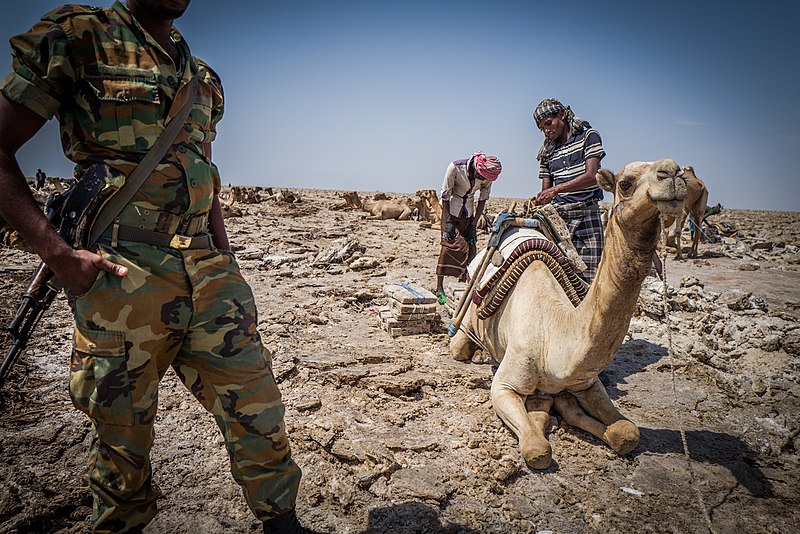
487,166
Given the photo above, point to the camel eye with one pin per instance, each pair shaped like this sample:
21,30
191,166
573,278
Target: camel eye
625,185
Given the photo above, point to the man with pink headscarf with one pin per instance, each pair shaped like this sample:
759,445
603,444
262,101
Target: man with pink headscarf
464,178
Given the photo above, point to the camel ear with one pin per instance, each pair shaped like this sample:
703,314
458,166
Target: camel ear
606,180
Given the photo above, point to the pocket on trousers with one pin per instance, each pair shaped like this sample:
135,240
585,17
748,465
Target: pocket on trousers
100,274
99,383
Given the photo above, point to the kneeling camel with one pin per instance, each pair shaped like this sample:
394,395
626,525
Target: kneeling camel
550,352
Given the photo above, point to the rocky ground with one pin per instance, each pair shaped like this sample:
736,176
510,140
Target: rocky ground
394,436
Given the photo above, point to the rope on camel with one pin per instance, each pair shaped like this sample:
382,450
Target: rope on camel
569,282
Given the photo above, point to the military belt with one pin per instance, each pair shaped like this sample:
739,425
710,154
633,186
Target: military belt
118,232
162,221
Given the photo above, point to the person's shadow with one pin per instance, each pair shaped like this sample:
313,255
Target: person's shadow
704,446
711,448
632,357
412,518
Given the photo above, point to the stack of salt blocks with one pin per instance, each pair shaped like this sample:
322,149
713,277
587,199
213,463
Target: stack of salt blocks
411,310
454,292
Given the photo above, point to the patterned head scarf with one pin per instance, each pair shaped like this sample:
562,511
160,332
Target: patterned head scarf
487,166
550,107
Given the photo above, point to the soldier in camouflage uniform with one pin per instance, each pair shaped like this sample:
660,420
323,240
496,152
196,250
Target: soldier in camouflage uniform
145,300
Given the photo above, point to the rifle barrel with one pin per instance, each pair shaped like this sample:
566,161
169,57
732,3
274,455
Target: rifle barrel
35,301
8,361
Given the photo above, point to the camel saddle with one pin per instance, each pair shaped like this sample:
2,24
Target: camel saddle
545,239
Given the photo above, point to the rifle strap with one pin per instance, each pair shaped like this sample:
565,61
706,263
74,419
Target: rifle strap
134,181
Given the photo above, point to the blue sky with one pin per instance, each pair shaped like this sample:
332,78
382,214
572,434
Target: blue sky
381,96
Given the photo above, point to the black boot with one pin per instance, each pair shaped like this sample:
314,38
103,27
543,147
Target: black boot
285,523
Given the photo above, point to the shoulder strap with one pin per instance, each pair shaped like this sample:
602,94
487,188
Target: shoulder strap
134,181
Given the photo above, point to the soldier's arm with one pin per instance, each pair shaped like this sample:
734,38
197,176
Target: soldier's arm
216,226
76,268
216,222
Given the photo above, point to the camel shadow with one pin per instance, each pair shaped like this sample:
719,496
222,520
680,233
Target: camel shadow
632,357
412,518
711,448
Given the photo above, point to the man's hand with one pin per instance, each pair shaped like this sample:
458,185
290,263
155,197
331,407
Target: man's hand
471,233
79,271
545,196
449,232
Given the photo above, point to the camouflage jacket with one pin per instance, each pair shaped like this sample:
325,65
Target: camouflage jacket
113,88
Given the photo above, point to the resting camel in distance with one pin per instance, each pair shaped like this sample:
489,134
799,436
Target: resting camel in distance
227,199
550,352
695,205
379,209
430,208
351,202
402,210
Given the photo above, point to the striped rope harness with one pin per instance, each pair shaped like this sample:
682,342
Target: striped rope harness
489,299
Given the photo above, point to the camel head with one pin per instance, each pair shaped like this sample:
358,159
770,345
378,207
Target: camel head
418,203
429,194
227,195
351,198
643,190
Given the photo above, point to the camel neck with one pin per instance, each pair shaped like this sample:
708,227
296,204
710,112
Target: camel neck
611,300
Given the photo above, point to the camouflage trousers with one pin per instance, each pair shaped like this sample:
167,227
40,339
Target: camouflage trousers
191,310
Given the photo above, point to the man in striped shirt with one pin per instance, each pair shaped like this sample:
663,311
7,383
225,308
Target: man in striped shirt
568,162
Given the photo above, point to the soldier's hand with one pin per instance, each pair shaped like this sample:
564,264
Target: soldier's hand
80,271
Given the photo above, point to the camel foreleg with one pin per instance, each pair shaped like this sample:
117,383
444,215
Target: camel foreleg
567,405
695,241
538,454
678,232
461,346
619,433
698,212
528,426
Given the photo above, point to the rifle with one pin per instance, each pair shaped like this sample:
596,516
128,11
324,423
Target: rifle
69,211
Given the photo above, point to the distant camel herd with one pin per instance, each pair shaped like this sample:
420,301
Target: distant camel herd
425,206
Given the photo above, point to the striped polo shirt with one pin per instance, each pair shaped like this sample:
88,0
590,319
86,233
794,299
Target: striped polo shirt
568,161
